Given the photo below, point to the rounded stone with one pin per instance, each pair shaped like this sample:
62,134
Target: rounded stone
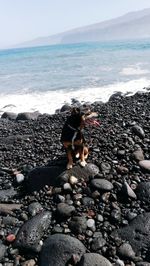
30,234
94,259
65,210
78,225
102,184
58,249
90,223
126,251
138,131
145,164
34,208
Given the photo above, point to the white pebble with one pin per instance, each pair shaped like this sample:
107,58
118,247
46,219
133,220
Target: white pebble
19,178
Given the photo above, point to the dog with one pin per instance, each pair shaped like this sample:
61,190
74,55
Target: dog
72,136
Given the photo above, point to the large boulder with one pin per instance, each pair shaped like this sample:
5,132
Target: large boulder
143,192
58,250
30,234
9,115
28,116
137,233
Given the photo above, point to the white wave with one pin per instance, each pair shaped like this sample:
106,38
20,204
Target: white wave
134,70
48,102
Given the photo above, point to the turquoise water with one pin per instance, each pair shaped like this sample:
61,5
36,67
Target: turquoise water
61,70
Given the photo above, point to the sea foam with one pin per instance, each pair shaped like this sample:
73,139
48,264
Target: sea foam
50,101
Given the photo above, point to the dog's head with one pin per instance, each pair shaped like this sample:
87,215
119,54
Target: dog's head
84,116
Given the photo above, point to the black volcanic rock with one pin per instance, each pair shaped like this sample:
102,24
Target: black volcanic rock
102,184
32,148
137,233
30,234
78,225
138,130
28,116
143,192
94,259
58,250
64,210
9,115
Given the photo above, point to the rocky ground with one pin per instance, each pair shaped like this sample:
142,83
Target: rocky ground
97,215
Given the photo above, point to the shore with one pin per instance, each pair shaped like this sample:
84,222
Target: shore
100,213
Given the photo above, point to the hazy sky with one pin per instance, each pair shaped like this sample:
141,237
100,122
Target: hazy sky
23,20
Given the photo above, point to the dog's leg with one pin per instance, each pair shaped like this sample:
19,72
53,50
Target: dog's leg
82,158
86,152
70,159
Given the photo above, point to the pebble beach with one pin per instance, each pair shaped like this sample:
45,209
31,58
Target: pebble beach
93,216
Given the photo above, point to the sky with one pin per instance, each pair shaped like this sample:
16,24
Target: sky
24,20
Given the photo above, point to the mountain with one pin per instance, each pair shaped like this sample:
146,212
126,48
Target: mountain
134,25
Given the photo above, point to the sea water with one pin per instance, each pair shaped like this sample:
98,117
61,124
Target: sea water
44,78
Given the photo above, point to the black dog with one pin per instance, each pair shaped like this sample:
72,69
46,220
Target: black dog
72,136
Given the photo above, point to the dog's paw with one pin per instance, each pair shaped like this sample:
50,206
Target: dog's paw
83,163
86,156
77,155
69,166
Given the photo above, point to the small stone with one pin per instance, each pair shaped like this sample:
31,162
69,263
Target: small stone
119,263
128,190
78,225
126,251
67,187
73,180
145,164
116,215
138,131
105,167
64,210
91,224
19,178
100,218
34,208
101,184
98,243
138,154
10,238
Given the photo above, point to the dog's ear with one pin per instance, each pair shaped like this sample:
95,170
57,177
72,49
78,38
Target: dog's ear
75,111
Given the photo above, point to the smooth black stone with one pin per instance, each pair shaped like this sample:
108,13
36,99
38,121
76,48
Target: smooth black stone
9,115
78,225
102,184
94,259
28,116
64,210
58,250
138,131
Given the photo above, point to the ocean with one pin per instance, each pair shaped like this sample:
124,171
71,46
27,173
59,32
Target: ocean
44,78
